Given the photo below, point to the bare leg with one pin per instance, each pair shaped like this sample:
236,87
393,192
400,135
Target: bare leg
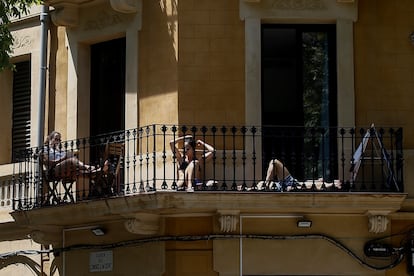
69,168
191,172
270,173
180,178
276,171
66,169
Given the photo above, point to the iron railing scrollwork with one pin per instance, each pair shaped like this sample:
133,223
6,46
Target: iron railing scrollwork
242,153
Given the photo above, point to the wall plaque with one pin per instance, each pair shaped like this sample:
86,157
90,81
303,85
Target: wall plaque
101,261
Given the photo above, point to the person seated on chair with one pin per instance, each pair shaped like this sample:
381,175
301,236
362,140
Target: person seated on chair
63,164
279,178
189,165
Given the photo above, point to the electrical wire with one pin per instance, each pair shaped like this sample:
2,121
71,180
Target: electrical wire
397,258
24,252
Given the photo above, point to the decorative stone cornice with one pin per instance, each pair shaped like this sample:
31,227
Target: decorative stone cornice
339,1
45,237
143,224
299,10
228,220
166,203
125,6
377,221
65,15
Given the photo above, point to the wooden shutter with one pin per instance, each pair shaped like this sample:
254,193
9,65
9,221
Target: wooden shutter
21,107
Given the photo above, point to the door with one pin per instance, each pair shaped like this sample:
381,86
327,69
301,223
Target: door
107,102
298,97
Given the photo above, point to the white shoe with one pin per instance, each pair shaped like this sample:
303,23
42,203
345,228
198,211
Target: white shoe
210,183
261,185
190,190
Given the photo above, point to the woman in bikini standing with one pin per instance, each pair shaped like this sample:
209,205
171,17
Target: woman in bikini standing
189,165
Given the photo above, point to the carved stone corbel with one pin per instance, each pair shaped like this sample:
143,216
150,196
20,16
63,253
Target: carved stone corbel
65,15
377,221
125,6
228,220
143,224
43,237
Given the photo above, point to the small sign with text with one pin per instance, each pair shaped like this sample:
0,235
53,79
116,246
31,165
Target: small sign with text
100,261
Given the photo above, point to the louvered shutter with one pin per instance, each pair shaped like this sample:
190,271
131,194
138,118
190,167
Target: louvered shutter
21,107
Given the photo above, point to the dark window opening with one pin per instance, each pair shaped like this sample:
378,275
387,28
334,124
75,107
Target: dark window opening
107,102
298,94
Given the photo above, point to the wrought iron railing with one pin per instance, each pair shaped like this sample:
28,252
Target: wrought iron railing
141,160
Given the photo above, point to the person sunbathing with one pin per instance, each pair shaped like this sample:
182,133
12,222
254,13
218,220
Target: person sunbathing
279,178
188,163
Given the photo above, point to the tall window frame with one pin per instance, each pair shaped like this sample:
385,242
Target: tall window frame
298,76
256,13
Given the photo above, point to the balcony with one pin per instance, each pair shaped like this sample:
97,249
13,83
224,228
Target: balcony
140,161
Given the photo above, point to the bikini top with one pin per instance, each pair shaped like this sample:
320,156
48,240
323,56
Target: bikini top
184,165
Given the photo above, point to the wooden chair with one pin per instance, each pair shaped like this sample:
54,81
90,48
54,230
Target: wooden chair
50,184
109,183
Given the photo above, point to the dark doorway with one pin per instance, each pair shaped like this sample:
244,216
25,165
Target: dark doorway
107,100
298,96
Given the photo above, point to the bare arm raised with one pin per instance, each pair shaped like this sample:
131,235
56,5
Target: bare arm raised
208,150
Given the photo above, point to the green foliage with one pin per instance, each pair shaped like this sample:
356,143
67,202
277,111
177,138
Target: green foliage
10,9
315,92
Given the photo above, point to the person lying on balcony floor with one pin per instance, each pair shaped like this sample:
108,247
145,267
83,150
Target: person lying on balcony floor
279,178
189,165
62,164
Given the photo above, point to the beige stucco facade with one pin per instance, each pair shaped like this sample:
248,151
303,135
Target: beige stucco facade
198,62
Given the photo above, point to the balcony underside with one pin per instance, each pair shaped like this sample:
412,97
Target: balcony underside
210,203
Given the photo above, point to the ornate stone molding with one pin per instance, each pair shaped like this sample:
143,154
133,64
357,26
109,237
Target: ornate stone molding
143,224
102,19
377,221
300,10
45,237
125,6
65,15
301,1
22,41
228,220
298,4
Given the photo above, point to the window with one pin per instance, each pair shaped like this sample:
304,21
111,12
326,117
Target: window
298,93
107,86
21,107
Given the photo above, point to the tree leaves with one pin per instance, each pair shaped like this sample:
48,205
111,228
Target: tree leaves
10,9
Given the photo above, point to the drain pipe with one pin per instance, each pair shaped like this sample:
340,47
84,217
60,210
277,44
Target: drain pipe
43,70
42,84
